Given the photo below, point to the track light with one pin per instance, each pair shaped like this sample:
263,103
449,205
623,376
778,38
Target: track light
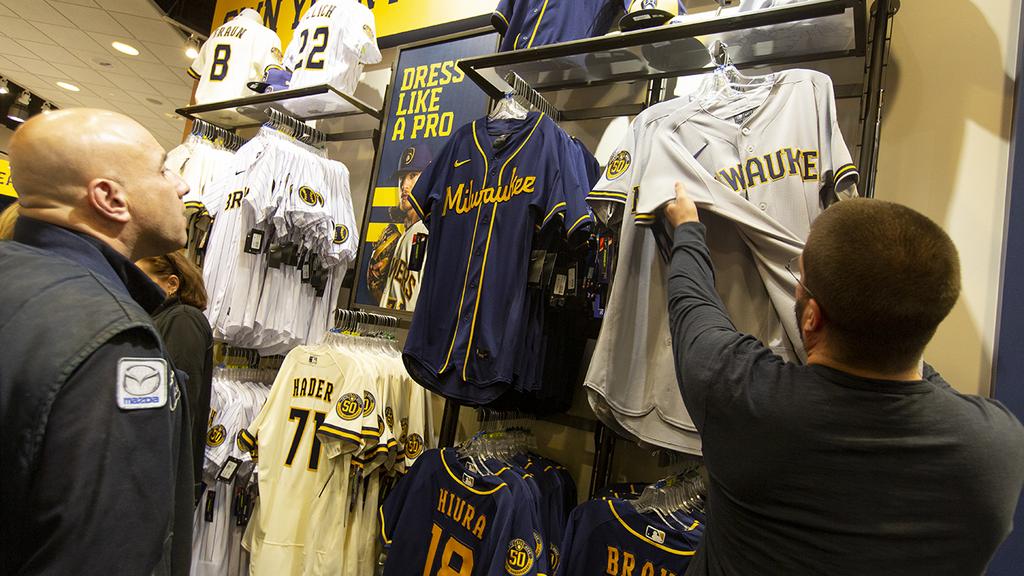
4,88
19,109
192,47
46,107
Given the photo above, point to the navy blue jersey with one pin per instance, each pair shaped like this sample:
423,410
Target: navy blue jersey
492,186
531,23
610,537
443,520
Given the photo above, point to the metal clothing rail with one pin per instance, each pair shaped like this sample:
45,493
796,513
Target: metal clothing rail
526,92
214,133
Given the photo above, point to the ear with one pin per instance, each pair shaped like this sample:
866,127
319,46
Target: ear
812,320
173,283
109,199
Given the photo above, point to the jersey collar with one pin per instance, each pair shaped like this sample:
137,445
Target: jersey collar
475,483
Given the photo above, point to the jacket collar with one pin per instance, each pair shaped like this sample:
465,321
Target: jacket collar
94,255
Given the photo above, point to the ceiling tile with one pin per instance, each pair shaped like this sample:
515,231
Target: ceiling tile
96,102
152,71
151,30
137,7
72,38
35,66
83,75
106,40
58,92
50,53
173,56
10,48
130,83
20,29
37,11
92,19
6,66
114,95
5,11
175,92
89,3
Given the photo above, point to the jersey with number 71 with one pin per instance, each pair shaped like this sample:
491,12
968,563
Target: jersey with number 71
444,520
303,484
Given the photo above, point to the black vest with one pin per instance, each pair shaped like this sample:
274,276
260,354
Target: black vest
35,364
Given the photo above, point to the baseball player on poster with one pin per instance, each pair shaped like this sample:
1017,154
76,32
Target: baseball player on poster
389,276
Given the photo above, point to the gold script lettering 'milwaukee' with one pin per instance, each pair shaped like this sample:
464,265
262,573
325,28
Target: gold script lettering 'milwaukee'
464,199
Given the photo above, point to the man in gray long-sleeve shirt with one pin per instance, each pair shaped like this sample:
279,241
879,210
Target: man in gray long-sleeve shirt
864,460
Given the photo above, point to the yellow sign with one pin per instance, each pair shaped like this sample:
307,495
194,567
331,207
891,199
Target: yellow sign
392,16
6,189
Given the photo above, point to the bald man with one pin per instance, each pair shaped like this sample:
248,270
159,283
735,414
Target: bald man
96,465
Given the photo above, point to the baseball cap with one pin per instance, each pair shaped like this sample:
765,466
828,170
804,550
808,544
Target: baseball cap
649,13
414,159
275,79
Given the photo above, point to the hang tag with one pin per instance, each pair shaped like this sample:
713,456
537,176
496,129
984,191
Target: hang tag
536,267
203,239
229,469
208,512
275,256
560,281
291,255
306,273
501,141
549,268
254,241
571,279
418,253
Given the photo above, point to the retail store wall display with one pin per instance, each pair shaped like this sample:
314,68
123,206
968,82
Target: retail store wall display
429,100
333,40
489,507
762,157
531,23
341,422
237,52
282,237
501,190
408,18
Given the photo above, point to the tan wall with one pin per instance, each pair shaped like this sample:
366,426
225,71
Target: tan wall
945,149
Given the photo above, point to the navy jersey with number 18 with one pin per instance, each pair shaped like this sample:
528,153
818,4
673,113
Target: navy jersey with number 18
442,520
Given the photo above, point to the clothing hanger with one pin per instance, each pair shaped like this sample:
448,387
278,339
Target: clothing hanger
508,108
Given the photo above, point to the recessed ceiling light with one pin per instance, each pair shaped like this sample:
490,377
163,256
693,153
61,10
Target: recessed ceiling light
68,86
154,101
125,48
191,52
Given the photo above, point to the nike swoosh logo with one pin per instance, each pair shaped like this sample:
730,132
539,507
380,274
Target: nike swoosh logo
461,162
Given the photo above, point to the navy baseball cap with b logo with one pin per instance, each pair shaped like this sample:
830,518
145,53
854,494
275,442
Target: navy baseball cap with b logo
413,159
275,79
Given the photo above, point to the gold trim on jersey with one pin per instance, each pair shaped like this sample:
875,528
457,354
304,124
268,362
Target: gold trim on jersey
490,229
503,18
578,222
536,26
469,262
607,195
383,534
611,506
844,171
470,488
340,434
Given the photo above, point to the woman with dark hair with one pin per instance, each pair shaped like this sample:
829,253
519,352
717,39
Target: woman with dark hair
187,335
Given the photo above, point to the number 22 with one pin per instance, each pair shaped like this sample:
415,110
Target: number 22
319,35
451,548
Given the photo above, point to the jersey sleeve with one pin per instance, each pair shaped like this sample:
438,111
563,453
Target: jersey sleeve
340,432
835,156
362,36
502,16
578,217
520,550
430,187
198,67
396,502
571,548
266,54
248,436
417,439
610,193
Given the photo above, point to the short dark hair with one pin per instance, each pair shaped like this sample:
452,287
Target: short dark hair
884,276
192,290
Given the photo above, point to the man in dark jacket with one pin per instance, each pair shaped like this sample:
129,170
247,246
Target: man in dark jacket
863,460
95,445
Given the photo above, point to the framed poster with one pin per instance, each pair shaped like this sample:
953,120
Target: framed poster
429,99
